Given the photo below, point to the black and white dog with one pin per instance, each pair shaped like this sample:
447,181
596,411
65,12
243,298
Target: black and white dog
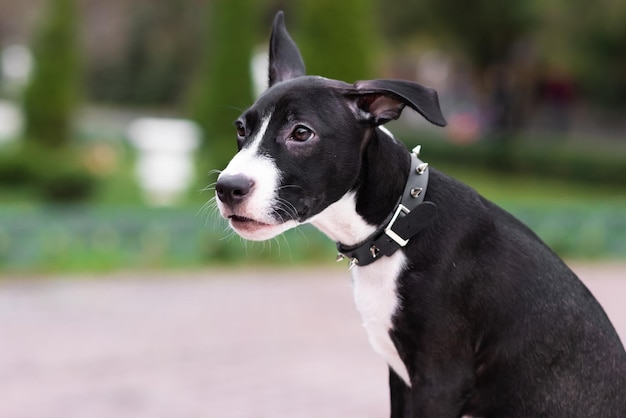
474,314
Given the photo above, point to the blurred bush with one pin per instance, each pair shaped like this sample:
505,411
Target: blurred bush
548,157
223,87
52,174
156,59
337,39
87,238
46,159
51,96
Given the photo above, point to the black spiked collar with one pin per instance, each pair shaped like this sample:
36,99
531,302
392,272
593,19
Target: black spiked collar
410,215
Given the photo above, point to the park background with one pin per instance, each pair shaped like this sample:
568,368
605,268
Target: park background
534,93
122,293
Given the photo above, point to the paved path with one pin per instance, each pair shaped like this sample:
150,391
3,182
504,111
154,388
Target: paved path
233,344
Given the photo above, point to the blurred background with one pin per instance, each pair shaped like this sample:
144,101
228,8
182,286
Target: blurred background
119,290
114,116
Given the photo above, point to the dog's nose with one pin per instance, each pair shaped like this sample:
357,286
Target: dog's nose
232,189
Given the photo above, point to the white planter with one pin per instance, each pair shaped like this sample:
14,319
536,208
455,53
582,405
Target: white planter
11,121
165,167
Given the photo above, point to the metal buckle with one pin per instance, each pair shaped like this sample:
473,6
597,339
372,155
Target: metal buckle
388,230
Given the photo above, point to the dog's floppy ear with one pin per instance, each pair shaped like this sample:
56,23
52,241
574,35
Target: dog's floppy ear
379,101
285,59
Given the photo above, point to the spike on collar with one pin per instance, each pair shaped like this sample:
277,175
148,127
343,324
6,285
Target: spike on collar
410,215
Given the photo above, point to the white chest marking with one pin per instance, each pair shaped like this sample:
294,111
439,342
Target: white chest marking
340,221
377,301
374,284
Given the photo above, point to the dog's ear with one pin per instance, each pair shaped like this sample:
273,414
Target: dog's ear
285,59
379,101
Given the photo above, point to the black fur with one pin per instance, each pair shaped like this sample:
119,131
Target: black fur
494,324
491,322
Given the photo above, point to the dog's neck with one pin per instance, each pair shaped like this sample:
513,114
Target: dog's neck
384,171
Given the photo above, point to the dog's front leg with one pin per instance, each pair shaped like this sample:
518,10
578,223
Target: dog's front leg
400,394
420,402
440,390
442,376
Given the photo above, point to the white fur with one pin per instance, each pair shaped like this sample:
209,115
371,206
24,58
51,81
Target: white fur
259,168
374,285
261,202
341,223
377,301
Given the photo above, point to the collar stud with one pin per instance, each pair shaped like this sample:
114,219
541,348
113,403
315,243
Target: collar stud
416,191
353,262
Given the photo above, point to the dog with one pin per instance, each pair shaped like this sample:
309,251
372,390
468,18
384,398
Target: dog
473,313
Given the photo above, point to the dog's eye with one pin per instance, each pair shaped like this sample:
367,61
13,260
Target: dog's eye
302,133
241,130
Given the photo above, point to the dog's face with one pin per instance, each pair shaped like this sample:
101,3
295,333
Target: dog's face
301,143
298,153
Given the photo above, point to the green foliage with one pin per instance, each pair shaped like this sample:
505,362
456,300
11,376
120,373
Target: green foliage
157,59
47,162
87,238
51,174
485,29
589,43
338,39
52,94
546,157
224,87
585,43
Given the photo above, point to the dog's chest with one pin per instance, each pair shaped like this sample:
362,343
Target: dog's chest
377,301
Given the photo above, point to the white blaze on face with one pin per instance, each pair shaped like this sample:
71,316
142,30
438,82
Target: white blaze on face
262,201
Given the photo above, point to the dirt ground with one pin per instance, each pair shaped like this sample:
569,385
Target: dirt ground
217,343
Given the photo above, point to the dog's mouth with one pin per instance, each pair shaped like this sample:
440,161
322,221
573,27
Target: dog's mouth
256,230
237,220
248,227
242,221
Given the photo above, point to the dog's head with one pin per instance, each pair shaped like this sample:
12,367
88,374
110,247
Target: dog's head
301,143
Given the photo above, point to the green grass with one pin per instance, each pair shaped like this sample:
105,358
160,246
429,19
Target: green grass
524,189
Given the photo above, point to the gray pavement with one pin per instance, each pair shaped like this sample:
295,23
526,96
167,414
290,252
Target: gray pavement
218,343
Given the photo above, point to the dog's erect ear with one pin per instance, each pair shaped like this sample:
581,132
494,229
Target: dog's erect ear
285,59
379,101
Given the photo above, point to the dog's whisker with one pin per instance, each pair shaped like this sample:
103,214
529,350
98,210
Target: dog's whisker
244,244
228,235
288,208
208,188
302,234
210,210
214,174
207,206
291,186
288,244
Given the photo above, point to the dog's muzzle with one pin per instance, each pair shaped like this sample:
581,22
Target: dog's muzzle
233,189
250,213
